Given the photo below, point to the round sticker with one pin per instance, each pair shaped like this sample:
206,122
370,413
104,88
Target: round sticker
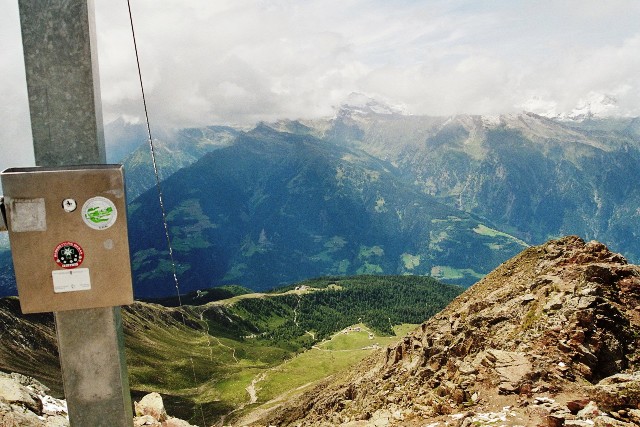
99,213
68,255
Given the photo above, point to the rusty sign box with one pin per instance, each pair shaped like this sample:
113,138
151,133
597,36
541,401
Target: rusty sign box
68,234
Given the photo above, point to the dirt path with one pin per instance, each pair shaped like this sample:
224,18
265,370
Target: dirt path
295,311
209,336
251,389
233,350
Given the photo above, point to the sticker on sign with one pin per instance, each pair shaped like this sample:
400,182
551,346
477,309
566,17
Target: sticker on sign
99,213
71,280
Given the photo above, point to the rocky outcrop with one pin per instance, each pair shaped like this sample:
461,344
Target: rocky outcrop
25,402
617,392
150,412
559,321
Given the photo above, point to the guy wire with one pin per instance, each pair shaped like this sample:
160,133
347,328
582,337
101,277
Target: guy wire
153,161
160,195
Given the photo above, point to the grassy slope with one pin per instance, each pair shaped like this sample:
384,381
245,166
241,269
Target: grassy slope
330,357
278,341
202,358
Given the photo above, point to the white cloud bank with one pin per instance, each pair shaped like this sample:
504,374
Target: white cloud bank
240,61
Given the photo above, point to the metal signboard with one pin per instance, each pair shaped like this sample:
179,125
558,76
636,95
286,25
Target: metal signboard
68,234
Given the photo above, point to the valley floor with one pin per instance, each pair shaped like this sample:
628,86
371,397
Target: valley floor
280,383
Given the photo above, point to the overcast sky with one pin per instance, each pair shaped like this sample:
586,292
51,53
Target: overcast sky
240,61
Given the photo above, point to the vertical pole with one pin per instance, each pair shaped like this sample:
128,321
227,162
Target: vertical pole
59,43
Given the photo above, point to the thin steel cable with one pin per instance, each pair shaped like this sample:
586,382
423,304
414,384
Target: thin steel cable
153,161
160,195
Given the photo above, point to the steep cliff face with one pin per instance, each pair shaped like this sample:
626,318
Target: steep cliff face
545,333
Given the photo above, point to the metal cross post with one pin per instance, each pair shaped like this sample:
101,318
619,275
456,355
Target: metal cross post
59,42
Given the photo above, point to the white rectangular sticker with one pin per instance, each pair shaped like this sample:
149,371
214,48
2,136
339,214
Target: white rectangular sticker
72,280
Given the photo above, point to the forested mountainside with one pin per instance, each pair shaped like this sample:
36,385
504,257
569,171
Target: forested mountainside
376,191
532,176
7,275
173,151
277,207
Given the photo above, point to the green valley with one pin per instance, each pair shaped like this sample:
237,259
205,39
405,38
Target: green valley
227,351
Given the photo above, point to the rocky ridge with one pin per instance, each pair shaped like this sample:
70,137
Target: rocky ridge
25,401
548,338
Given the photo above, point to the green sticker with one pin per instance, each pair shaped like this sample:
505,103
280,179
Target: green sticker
99,213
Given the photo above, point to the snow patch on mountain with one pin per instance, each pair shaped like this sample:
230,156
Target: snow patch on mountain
490,122
360,104
593,105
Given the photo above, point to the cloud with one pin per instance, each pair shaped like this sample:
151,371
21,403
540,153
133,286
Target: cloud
606,70
244,61
15,128
241,64
241,61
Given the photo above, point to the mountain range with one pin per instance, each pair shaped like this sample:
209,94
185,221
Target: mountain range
278,207
372,190
533,176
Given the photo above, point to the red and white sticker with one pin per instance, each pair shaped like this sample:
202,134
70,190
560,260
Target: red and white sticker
68,255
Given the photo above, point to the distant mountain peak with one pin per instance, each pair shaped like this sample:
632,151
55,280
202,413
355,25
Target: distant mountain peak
593,105
360,104
297,127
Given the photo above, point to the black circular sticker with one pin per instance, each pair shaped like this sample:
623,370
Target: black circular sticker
68,255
